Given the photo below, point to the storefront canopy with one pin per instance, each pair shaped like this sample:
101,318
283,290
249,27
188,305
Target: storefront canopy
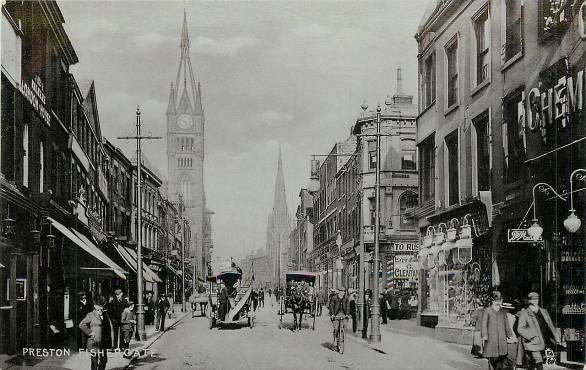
84,243
131,259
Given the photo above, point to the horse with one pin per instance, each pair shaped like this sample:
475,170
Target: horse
298,302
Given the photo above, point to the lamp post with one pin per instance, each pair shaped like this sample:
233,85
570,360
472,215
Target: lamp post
536,230
140,282
572,223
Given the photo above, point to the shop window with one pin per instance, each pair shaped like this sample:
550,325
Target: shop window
427,169
512,43
482,57
452,169
452,72
513,138
482,152
428,85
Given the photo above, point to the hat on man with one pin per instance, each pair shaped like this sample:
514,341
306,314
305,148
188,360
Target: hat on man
118,291
100,301
507,305
533,295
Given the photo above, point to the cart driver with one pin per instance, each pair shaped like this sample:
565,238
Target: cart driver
223,302
339,308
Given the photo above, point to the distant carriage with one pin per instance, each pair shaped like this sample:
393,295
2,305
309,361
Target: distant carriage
298,298
239,297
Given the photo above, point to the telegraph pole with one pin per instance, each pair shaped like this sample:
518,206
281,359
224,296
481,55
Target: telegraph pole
182,231
140,282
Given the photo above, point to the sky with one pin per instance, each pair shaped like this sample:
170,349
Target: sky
274,73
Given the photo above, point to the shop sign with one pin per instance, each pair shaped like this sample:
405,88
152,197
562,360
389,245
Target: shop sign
405,267
520,236
35,95
550,105
405,247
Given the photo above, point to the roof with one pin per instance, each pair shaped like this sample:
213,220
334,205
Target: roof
84,87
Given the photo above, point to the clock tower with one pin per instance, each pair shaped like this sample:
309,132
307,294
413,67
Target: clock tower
185,152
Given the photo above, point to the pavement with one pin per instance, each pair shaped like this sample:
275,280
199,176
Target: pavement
78,361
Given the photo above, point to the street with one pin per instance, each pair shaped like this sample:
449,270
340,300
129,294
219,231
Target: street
192,345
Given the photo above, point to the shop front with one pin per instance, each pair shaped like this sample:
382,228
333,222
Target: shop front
455,270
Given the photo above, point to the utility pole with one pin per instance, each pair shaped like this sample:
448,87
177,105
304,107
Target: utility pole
140,282
182,231
375,333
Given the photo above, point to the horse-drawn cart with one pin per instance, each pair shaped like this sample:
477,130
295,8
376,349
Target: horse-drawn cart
240,305
300,297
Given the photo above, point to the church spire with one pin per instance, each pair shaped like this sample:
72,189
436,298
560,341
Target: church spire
184,33
280,202
198,106
171,106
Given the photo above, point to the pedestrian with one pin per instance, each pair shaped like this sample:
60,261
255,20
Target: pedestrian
413,303
395,303
254,299
512,343
261,297
98,328
537,331
114,309
366,312
383,306
128,320
495,333
162,306
84,307
352,306
476,321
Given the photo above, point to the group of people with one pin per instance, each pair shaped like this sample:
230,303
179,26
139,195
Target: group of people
109,324
511,336
396,304
257,296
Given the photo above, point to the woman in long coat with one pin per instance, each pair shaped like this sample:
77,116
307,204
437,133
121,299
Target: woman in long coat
495,332
98,328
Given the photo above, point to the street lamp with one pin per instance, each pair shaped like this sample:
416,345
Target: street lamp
572,223
536,230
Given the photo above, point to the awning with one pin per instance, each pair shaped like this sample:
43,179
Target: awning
84,243
172,269
131,259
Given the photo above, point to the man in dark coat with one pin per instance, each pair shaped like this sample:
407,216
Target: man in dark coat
97,326
495,331
114,309
223,302
162,307
84,307
383,306
339,307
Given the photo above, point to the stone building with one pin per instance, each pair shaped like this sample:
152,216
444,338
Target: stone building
501,112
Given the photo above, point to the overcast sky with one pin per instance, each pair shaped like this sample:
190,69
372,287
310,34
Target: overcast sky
291,73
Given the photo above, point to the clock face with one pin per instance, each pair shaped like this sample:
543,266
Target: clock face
185,121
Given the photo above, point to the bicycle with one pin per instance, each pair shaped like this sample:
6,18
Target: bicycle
339,339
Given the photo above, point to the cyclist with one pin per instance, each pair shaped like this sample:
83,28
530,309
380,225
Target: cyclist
339,308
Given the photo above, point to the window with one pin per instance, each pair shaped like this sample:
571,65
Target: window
25,156
408,157
452,72
513,137
482,58
408,200
427,169
453,191
513,29
372,159
428,87
482,152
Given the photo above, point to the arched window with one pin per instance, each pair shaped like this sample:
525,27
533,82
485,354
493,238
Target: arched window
408,200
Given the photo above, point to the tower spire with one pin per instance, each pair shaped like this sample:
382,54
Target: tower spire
198,105
184,33
171,106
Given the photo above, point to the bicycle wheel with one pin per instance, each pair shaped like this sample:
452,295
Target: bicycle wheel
341,341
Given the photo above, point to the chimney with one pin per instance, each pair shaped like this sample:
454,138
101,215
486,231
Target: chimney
399,87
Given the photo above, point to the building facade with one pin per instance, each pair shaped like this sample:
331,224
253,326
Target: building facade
501,113
301,237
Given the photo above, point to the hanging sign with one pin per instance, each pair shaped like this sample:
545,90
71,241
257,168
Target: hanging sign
35,95
405,267
520,236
